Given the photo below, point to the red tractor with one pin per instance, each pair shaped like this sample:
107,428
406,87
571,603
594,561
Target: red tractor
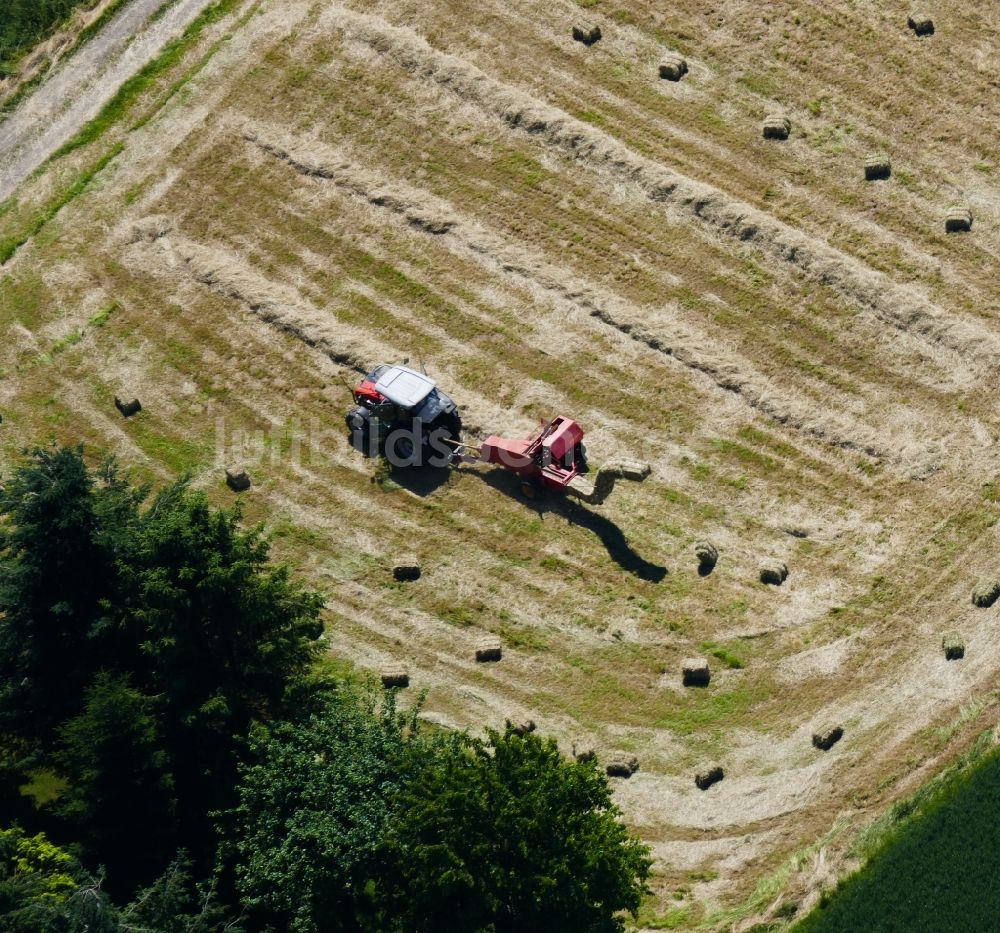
402,415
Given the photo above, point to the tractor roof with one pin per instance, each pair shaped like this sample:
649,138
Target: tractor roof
403,386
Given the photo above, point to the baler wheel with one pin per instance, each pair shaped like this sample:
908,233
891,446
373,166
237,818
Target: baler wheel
530,489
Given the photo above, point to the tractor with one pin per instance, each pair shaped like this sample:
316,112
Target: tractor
401,414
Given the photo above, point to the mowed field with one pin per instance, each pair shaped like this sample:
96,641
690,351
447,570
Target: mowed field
806,359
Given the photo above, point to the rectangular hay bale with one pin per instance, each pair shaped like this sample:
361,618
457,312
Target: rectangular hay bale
705,779
695,672
953,645
827,736
622,765
673,67
958,219
877,167
777,126
489,648
587,34
406,568
395,676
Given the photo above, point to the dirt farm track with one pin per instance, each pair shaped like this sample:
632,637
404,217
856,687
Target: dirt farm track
808,361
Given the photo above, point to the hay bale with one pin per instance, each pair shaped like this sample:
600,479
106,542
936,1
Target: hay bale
708,557
774,573
128,407
622,765
588,34
827,736
395,676
953,645
695,672
921,24
588,754
673,67
406,568
489,648
985,593
237,479
705,779
776,126
877,167
520,727
957,219
636,470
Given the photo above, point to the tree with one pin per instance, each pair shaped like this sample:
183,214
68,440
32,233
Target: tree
508,836
119,796
57,571
172,597
175,904
312,814
222,636
43,889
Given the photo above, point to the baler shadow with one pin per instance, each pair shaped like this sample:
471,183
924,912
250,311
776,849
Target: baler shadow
609,534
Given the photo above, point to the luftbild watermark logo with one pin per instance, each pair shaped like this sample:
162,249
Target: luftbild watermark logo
314,442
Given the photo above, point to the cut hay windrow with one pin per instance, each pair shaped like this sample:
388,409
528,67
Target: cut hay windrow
873,291
427,212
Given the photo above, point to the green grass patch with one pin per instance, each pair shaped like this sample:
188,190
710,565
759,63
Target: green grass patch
178,455
520,167
24,25
11,243
706,709
764,85
724,653
120,105
744,455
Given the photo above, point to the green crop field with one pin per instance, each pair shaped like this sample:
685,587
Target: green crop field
937,873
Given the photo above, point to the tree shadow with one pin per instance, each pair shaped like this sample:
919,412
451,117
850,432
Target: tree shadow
609,534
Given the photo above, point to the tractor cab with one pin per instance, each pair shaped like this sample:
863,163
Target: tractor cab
396,399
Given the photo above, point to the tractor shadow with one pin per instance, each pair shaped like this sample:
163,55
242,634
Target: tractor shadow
576,513
420,481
